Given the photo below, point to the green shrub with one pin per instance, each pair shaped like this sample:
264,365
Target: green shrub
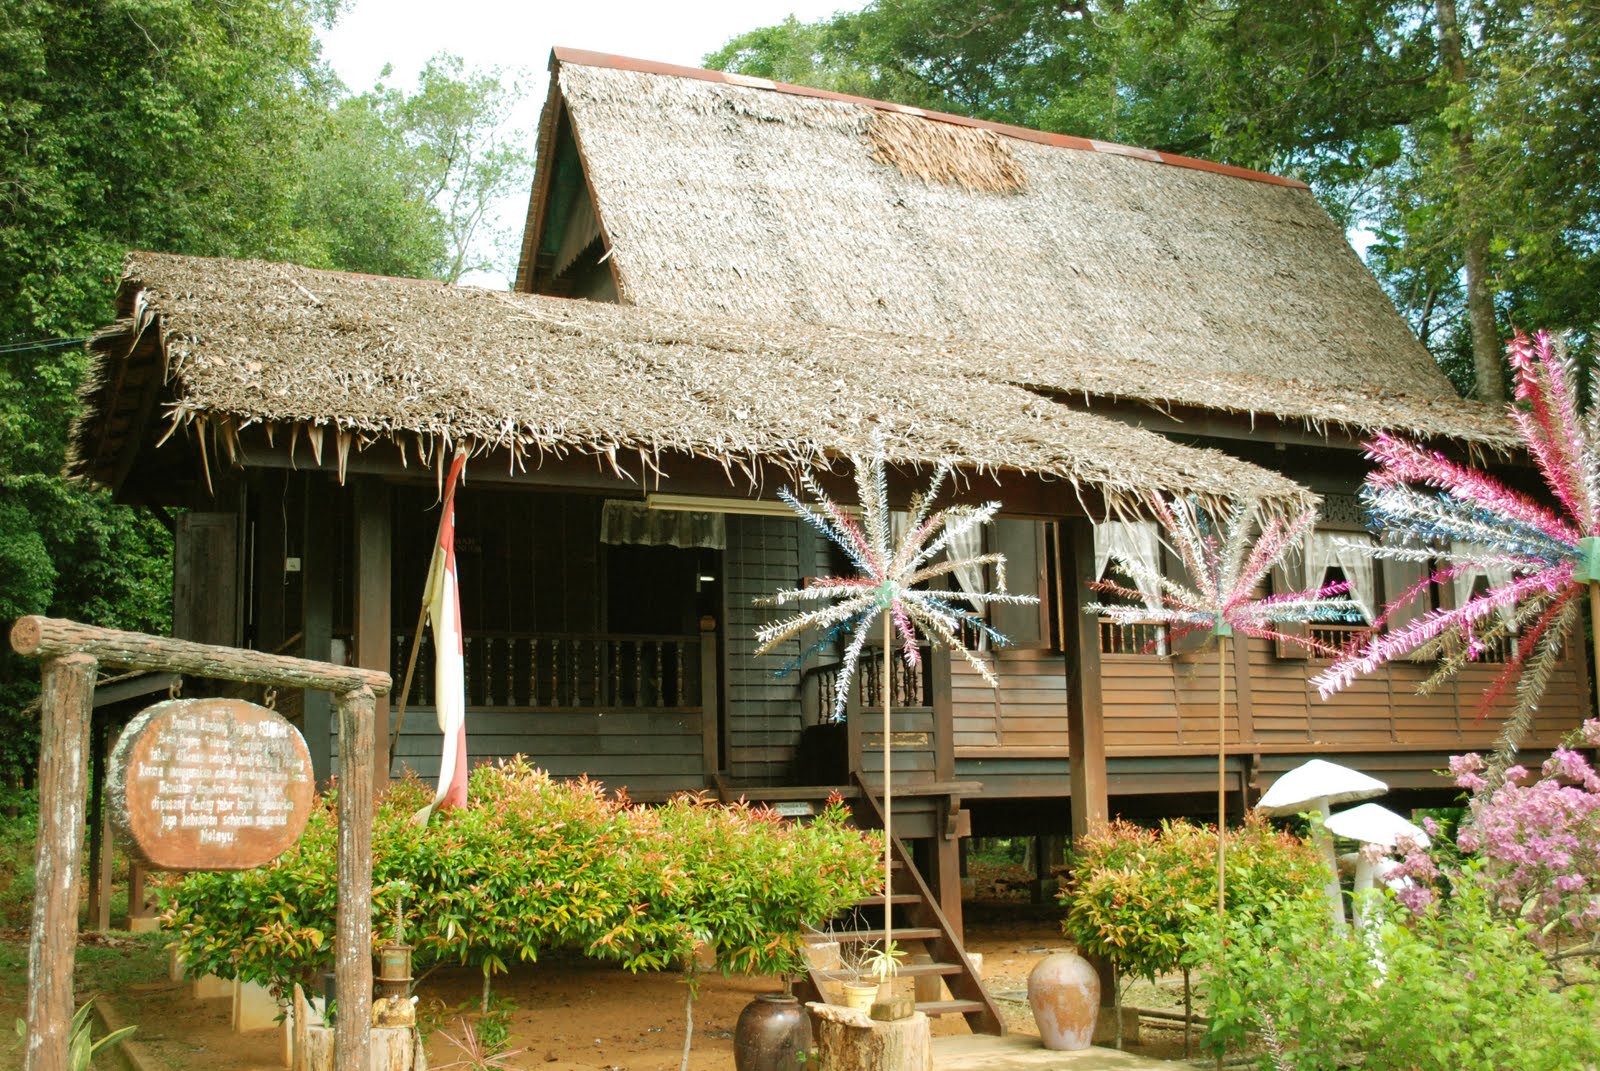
1453,988
528,865
1137,896
17,837
745,882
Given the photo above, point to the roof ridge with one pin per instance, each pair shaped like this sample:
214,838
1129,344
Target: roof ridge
585,58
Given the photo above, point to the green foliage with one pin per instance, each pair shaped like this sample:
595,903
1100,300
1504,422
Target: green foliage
533,864
744,882
17,836
1454,988
1138,896
81,1045
191,127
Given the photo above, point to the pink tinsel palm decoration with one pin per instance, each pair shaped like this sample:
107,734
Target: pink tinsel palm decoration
1226,566
1462,519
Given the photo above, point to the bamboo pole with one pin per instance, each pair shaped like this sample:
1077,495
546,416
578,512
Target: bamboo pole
1222,810
888,795
1222,771
405,689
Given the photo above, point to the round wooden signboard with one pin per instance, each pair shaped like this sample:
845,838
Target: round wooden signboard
209,784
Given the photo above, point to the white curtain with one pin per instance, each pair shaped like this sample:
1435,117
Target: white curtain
636,523
1497,575
1343,549
1138,542
963,548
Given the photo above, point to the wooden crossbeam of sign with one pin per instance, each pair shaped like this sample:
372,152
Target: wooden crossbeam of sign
72,654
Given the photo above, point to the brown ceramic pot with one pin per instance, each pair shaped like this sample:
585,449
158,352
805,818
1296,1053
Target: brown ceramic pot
1064,993
773,1034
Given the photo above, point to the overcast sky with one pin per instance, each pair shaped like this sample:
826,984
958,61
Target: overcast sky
518,37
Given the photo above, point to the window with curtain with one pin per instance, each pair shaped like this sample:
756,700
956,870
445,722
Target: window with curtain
1139,542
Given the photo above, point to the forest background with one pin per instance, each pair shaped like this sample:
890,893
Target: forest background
1457,140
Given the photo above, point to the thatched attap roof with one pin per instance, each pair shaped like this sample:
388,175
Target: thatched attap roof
1120,271
337,361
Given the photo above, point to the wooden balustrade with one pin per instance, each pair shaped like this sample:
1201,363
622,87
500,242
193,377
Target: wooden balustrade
1341,637
1133,637
909,686
535,670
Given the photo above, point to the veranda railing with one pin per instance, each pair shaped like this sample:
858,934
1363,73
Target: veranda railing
563,670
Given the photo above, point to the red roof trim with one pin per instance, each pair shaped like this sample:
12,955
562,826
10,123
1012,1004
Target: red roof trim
584,58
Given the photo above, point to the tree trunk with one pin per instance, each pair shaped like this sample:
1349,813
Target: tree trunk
1486,361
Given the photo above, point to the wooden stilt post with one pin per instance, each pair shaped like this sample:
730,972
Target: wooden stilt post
66,708
1085,730
353,945
373,614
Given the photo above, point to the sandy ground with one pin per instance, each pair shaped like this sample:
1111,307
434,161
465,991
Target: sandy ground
569,1014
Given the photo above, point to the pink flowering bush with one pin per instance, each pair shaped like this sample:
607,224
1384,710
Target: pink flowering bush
1538,840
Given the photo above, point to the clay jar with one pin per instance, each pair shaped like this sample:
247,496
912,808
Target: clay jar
773,1034
1064,993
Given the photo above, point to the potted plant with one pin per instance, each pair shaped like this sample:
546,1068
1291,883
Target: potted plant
875,966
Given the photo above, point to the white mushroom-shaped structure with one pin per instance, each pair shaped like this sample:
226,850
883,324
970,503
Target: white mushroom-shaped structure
1319,785
1373,823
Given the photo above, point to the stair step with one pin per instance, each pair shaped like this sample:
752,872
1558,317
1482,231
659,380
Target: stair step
949,1007
898,934
897,898
907,970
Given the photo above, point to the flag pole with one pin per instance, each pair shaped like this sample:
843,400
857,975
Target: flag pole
416,642
411,668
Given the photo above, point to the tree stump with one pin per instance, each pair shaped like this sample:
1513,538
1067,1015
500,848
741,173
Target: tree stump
390,1049
850,1040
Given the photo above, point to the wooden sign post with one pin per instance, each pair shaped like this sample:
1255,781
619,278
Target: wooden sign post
72,653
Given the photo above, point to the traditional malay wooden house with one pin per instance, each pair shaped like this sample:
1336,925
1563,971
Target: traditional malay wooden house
775,274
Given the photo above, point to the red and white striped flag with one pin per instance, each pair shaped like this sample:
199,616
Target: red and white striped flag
443,598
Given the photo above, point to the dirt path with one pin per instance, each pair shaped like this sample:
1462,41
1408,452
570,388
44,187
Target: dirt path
567,1014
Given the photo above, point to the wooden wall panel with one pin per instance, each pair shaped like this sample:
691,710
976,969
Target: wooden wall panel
1385,709
764,715
649,752
1028,709
205,578
914,759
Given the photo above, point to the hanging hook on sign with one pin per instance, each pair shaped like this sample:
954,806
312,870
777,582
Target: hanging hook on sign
270,699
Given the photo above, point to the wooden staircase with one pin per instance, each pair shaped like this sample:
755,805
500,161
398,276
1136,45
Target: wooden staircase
919,926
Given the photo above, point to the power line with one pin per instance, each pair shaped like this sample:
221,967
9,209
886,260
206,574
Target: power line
43,344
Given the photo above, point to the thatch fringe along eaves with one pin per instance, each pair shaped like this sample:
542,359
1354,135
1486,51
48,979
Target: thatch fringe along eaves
975,160
331,363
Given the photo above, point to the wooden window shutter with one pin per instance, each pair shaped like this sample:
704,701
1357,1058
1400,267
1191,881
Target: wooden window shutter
1023,543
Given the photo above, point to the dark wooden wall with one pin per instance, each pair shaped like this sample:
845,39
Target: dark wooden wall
764,714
